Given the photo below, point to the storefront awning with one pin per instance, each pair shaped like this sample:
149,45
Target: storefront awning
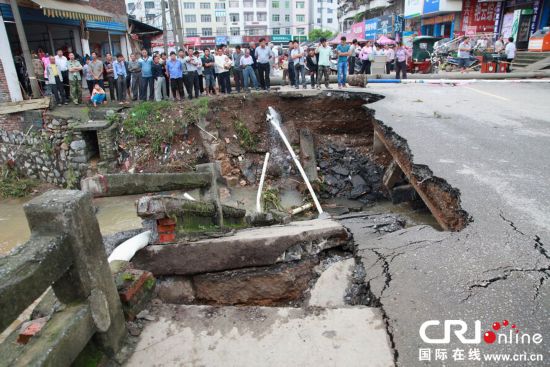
71,10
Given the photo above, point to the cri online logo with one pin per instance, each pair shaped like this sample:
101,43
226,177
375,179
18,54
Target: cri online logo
501,333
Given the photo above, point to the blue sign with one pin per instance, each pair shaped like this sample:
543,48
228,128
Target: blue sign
431,6
371,28
221,40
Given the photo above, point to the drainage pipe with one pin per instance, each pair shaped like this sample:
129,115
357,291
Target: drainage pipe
271,117
261,186
127,249
383,81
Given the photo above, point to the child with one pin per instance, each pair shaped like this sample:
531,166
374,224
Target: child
284,66
98,95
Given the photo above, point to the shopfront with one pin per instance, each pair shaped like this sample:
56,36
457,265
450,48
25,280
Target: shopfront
478,17
281,39
520,19
207,42
386,25
440,18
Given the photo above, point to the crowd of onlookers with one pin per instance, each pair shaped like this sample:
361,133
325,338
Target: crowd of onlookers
191,73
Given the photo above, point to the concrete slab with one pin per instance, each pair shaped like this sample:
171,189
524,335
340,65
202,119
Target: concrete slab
263,336
330,289
247,248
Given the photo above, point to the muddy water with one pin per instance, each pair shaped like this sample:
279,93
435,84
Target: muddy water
114,214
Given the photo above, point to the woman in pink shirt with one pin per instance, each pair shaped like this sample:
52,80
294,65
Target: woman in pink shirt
365,56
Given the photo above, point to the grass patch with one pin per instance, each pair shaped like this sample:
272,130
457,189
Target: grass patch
271,199
13,185
247,140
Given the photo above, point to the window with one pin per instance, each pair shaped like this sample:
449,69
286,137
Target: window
190,18
275,4
235,31
189,5
248,4
248,17
262,17
300,5
220,31
149,5
220,18
205,5
287,18
190,32
318,20
276,31
329,20
206,31
234,17
275,17
206,18
330,11
131,6
261,3
300,31
233,3
220,5
150,16
300,17
287,30
287,4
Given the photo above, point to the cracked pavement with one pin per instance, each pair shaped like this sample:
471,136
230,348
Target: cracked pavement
491,142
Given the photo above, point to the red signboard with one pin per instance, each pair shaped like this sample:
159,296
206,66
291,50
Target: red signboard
208,41
255,39
478,16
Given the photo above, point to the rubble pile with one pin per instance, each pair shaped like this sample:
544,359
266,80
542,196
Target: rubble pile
349,174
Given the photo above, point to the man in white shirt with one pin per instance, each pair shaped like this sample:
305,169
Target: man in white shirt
299,57
263,57
61,62
192,64
464,49
323,53
246,64
222,65
510,52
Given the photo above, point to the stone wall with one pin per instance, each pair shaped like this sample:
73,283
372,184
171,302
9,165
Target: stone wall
54,154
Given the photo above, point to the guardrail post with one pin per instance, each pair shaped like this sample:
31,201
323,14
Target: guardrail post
70,213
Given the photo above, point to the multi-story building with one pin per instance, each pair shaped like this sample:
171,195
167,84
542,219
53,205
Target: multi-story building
351,11
324,15
146,11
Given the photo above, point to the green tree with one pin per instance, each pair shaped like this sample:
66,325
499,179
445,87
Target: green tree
316,34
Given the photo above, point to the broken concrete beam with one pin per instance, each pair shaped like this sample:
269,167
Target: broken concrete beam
357,80
392,175
307,154
247,248
129,184
257,286
135,288
171,217
403,193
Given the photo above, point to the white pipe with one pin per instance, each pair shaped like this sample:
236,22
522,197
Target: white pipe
469,81
189,197
127,249
260,188
300,209
271,118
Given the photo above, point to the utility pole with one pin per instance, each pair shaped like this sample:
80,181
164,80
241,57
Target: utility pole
164,31
25,47
178,23
171,4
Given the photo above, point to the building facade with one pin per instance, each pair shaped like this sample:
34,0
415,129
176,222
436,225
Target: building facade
81,27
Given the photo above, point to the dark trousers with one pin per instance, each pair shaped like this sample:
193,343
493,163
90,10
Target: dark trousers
167,86
263,70
112,87
291,73
147,82
66,84
91,84
365,67
238,76
351,69
224,82
135,85
400,68
121,88
176,85
191,81
58,91
509,66
389,65
313,75
201,83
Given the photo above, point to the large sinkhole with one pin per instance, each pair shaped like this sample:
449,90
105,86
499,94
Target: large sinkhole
358,167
